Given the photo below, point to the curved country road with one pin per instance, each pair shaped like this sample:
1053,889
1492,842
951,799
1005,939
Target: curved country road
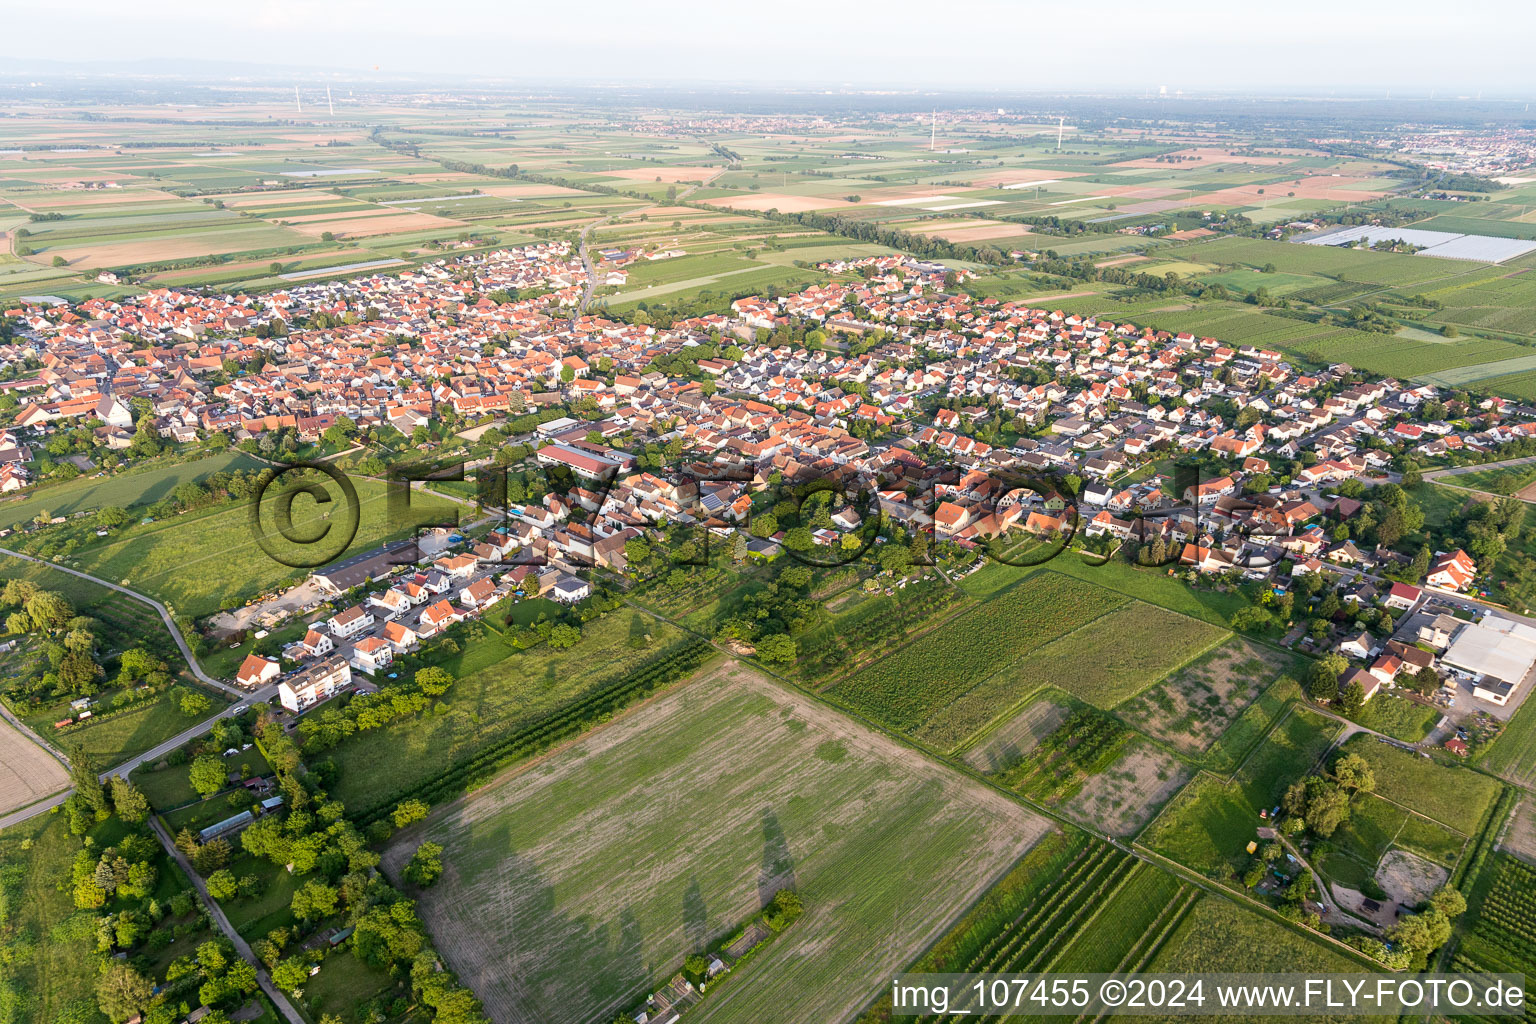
161,749
170,624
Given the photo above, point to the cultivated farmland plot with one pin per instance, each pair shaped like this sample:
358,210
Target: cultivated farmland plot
577,885
27,771
1195,705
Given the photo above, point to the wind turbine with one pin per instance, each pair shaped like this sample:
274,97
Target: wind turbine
933,130
1060,127
299,106
329,102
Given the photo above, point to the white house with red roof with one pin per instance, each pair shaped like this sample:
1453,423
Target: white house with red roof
372,654
1451,571
256,671
1401,595
438,617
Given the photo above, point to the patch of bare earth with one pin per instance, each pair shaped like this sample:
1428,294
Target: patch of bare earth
1124,797
1519,836
1191,708
27,771
1408,878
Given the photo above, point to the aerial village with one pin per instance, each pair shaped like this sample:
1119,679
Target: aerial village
974,421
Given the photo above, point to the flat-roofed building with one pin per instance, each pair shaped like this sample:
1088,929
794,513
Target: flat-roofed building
1495,653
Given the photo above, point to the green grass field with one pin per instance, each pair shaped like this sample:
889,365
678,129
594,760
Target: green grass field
120,735
1398,717
496,690
125,621
1450,795
198,562
1512,755
123,489
575,887
56,980
1221,936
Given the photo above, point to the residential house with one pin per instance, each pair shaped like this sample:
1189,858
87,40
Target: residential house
256,671
350,622
371,654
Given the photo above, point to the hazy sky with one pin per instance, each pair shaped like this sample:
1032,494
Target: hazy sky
1298,45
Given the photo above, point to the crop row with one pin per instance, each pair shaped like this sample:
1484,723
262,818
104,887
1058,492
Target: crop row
1083,864
551,728
1463,963
877,623
932,671
1042,928
1087,743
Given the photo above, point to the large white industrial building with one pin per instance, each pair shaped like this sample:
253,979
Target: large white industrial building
1495,654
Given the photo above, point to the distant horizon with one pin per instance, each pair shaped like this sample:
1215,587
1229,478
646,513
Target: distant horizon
1313,48
279,76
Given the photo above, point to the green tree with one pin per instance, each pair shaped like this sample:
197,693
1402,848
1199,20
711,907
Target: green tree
1354,772
313,901
1322,681
426,865
130,804
291,973
194,703
85,775
1327,809
1421,934
208,774
110,517
785,906
222,885
49,611
122,992
409,811
1449,901
777,647
1352,698
211,856
433,681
